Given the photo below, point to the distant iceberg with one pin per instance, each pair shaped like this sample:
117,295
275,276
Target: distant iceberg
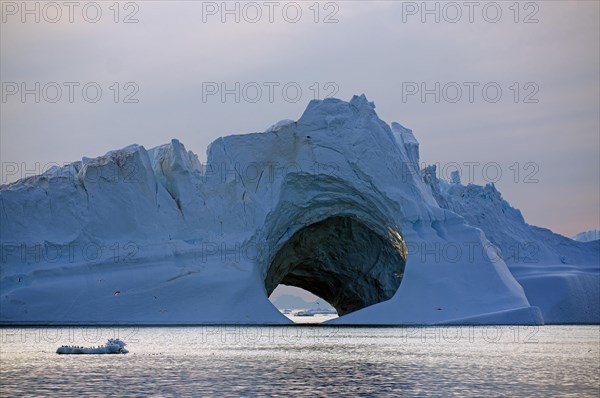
588,236
316,311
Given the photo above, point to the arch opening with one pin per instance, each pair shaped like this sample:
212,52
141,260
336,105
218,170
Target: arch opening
301,306
342,260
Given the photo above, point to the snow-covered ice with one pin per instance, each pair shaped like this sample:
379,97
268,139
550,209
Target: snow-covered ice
559,275
334,203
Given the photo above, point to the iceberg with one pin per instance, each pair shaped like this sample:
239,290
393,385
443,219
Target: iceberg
334,203
588,236
560,276
112,346
316,311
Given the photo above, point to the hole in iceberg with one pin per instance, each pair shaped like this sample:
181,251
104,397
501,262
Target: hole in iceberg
301,306
342,260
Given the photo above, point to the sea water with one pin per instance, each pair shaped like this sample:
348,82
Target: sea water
297,360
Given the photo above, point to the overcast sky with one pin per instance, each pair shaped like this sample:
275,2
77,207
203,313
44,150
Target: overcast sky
544,56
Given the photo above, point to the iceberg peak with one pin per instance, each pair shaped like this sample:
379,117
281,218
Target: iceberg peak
361,101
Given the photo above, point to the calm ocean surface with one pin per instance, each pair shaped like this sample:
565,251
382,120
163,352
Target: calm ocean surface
305,361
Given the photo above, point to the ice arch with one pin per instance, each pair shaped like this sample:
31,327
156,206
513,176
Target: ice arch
325,212
341,260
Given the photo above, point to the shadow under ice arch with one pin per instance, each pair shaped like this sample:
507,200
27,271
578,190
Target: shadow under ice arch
341,260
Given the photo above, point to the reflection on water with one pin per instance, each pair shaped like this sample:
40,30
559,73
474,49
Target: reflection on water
303,360
319,318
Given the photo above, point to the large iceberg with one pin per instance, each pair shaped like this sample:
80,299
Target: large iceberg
334,203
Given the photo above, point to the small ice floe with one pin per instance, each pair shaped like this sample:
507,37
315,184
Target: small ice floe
112,346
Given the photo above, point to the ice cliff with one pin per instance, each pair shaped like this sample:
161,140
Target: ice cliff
333,202
559,275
